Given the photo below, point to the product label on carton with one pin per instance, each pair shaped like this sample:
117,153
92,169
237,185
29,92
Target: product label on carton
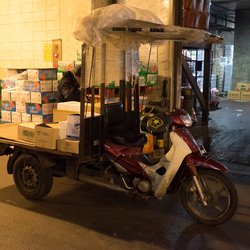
67,145
235,95
26,131
42,74
245,96
73,126
151,80
39,109
46,135
9,105
243,87
42,118
7,84
38,86
43,97
145,67
64,66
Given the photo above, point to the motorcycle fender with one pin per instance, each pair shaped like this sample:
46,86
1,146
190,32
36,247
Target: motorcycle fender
193,160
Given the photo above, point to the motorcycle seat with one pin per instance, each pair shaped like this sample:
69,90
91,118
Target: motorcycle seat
129,139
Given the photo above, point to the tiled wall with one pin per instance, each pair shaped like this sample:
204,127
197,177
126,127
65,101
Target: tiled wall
25,25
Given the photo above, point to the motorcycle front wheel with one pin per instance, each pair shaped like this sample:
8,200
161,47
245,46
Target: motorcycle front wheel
219,194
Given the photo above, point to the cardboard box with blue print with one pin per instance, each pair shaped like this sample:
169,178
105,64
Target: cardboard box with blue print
42,74
42,118
39,109
38,86
73,126
7,84
43,97
8,105
46,135
73,132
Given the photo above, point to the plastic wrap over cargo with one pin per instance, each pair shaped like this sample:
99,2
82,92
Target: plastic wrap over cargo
119,65
96,27
128,27
124,29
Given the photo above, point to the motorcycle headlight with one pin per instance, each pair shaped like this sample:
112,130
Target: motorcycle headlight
187,120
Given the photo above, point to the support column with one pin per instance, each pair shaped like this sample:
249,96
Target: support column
241,72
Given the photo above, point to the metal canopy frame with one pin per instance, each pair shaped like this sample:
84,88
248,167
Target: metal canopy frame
154,33
131,117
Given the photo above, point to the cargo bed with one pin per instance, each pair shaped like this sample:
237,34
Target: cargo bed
9,136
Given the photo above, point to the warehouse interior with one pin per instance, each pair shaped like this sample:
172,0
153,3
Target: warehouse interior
34,29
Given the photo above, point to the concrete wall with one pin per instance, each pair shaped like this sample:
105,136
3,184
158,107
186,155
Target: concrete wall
26,25
241,71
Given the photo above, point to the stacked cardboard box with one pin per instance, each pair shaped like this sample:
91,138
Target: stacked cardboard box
148,73
228,77
218,70
30,100
41,134
242,92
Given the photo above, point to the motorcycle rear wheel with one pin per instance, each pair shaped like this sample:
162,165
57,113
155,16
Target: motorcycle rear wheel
219,193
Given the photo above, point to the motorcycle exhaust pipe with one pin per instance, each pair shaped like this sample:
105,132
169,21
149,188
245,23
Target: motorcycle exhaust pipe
99,182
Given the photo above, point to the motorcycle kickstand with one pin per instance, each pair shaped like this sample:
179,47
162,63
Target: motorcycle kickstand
199,190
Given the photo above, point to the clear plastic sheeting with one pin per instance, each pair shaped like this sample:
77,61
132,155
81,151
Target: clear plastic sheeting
119,65
95,28
18,76
128,27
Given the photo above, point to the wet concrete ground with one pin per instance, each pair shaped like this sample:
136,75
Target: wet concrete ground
76,215
227,135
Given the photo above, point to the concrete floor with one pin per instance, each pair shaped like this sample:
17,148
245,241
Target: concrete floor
77,216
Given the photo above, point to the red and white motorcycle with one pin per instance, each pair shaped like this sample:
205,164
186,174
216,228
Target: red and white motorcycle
207,194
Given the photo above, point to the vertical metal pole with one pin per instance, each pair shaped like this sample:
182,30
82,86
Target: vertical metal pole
91,129
178,20
129,91
206,85
82,87
136,109
102,111
122,82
